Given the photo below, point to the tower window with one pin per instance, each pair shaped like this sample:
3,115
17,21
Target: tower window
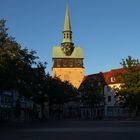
67,35
64,62
70,62
58,62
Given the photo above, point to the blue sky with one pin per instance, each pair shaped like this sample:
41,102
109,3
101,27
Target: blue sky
107,30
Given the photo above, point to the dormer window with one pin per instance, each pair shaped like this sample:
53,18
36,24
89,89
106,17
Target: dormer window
112,79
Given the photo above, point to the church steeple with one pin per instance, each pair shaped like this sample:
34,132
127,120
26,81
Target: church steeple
67,24
67,59
67,44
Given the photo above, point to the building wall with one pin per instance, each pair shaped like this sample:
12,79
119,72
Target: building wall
8,101
73,75
111,107
109,91
110,82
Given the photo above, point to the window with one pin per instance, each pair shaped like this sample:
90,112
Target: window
70,62
58,62
78,62
109,98
67,35
112,79
65,62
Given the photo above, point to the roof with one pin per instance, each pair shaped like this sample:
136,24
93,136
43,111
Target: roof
58,53
67,24
114,74
97,76
105,77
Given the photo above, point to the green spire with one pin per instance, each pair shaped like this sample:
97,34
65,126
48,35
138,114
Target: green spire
67,24
67,33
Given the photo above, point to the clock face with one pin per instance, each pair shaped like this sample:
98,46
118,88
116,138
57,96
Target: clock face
67,49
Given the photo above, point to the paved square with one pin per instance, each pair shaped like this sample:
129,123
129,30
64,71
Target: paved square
73,130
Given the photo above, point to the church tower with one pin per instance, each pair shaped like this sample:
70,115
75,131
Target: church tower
68,59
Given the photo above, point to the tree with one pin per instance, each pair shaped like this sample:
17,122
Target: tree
17,71
129,91
15,64
92,96
3,32
92,92
39,87
60,92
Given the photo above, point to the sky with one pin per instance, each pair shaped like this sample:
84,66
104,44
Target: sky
107,30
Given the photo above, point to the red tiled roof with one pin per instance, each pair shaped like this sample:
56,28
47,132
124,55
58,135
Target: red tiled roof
114,73
106,76
97,76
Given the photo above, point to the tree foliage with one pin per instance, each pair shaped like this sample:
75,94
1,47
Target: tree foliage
60,92
19,71
16,71
129,92
92,92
